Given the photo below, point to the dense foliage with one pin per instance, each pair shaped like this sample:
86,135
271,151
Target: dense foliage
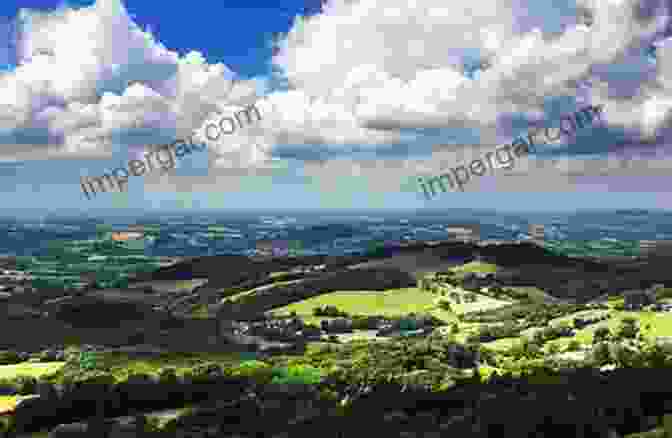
9,358
488,333
329,311
535,314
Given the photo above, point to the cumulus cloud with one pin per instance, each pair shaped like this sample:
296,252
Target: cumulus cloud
359,75
400,67
89,75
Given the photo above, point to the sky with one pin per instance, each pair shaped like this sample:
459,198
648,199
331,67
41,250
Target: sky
357,100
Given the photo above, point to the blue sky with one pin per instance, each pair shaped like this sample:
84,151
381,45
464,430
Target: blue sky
470,78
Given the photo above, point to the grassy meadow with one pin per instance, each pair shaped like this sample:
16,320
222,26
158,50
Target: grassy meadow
392,302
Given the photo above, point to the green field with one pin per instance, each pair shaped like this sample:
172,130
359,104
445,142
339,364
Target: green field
483,302
121,365
475,267
29,369
393,302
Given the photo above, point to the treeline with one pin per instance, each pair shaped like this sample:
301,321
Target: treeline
535,314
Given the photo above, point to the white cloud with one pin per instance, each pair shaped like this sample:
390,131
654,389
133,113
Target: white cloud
357,73
93,72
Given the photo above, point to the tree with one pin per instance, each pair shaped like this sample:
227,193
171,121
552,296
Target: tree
601,334
628,328
601,354
539,336
553,348
470,297
574,345
445,305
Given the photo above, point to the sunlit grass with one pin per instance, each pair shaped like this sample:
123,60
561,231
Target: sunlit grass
393,302
121,365
29,369
475,267
482,303
660,322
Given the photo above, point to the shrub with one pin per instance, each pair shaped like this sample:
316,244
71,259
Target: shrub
601,354
601,334
493,332
365,322
625,356
628,328
260,371
574,345
206,369
470,297
445,305
553,348
664,292
8,424
302,374
9,358
26,385
47,356
168,375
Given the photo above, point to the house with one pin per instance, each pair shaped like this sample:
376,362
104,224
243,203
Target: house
537,232
131,233
264,248
464,233
635,300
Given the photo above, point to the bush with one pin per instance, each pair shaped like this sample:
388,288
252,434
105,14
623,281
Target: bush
168,375
9,358
664,292
553,348
26,385
206,370
574,345
445,305
329,311
601,354
628,328
301,374
48,356
137,338
258,370
601,334
365,322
